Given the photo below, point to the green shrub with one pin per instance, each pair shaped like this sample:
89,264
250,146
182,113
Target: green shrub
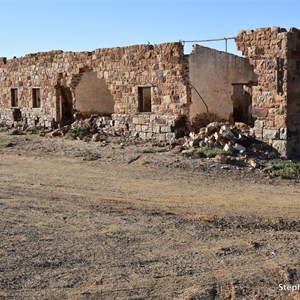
33,130
16,132
88,155
7,144
70,136
3,129
284,168
80,131
211,151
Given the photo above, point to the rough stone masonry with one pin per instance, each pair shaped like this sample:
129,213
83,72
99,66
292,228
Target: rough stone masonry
146,89
275,54
41,87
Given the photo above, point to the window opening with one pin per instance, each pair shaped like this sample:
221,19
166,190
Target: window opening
280,75
36,98
14,97
144,99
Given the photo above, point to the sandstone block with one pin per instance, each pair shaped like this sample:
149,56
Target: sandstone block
170,135
228,148
145,128
149,135
138,128
96,137
259,112
141,120
165,129
166,99
271,134
280,146
135,120
156,128
142,135
161,137
280,121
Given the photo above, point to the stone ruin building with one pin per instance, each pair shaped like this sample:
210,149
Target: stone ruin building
156,91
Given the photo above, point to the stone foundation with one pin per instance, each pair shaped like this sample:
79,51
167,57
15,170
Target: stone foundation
146,126
29,117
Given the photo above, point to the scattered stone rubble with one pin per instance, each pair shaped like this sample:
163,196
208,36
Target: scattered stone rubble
225,143
220,141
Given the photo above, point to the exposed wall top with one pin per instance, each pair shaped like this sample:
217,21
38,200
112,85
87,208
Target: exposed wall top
124,69
124,50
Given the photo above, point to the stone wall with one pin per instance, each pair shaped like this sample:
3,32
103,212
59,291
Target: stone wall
275,55
212,73
92,95
160,67
293,90
60,80
146,126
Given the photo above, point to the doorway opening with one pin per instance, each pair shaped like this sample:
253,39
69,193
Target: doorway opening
66,105
64,102
242,103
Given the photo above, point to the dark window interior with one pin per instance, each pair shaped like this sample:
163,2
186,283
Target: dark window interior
14,97
280,75
36,98
144,95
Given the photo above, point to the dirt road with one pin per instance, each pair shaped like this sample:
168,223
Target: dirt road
72,229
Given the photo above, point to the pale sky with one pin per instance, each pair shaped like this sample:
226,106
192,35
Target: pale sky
84,25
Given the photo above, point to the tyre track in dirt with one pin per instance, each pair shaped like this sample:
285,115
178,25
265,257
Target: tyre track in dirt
78,230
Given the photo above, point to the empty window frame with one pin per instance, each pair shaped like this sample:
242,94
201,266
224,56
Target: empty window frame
280,75
36,97
14,97
144,99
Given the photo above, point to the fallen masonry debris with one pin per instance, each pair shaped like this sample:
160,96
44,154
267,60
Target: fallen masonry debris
226,144
221,141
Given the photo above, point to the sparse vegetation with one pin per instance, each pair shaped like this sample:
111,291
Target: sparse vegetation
89,156
211,151
284,169
152,149
79,131
7,144
140,204
33,130
16,132
70,136
3,129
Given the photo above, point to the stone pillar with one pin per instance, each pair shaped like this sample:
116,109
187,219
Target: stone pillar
273,52
293,86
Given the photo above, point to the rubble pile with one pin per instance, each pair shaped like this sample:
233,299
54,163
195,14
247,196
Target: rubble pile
93,128
220,141
224,142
